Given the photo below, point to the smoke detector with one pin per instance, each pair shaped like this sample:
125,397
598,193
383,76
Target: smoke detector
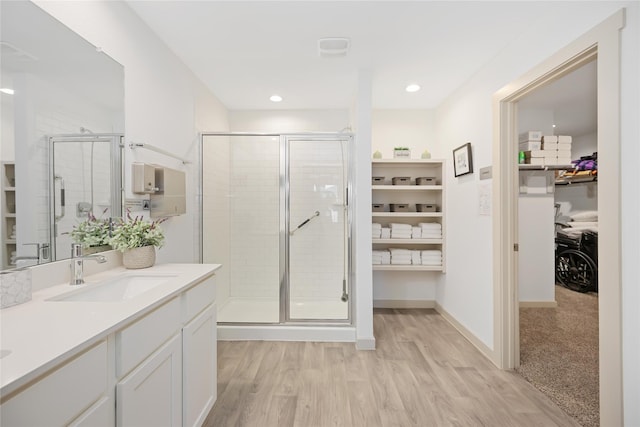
332,47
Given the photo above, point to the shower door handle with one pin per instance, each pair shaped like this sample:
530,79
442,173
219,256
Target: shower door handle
62,201
305,222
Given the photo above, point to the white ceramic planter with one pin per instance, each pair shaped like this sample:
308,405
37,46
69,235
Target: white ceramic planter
139,257
401,154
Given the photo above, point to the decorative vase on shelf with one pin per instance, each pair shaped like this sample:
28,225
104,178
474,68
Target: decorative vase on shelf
142,257
377,154
426,154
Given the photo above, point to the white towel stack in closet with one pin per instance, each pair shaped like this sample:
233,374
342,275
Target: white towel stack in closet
401,231
381,257
400,256
376,230
431,230
431,257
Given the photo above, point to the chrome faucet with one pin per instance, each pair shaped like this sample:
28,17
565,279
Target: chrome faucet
77,263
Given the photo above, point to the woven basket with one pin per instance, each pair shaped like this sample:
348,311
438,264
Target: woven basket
139,257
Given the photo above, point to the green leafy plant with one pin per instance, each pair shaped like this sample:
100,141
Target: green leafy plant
135,232
92,231
401,148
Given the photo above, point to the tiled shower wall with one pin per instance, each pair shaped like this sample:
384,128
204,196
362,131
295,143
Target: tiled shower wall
254,217
317,250
47,111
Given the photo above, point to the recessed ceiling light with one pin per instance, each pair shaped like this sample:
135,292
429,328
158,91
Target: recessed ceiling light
275,98
7,90
412,88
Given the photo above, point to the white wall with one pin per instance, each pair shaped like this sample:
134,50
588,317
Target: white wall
413,129
165,105
287,121
467,290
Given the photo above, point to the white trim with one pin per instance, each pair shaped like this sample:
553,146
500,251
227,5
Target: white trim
403,303
366,343
286,333
603,40
538,304
470,336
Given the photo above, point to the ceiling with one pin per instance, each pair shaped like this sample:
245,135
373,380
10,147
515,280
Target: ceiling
246,51
571,102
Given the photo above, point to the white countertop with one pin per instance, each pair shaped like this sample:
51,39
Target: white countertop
40,334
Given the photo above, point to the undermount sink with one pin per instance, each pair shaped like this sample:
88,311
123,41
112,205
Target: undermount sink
119,288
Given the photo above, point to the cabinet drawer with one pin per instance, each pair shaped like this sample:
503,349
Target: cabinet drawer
61,395
199,296
139,340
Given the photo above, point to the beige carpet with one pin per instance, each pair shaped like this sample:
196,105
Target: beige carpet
559,353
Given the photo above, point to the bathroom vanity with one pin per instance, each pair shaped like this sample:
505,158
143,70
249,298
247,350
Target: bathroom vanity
129,348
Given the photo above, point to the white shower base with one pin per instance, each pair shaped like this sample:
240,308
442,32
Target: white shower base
266,310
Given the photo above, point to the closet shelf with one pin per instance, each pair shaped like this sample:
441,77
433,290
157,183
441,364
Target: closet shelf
407,187
408,241
407,214
390,267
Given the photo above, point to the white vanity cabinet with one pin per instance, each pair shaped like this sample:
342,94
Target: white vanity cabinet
66,393
152,394
157,366
166,362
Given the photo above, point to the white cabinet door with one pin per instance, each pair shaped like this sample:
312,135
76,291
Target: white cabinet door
151,395
199,341
100,414
62,395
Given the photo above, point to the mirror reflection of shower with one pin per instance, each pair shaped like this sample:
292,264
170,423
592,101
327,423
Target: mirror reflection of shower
86,179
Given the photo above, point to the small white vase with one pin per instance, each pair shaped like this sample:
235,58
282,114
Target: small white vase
139,257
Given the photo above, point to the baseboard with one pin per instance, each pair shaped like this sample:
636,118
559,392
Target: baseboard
366,343
482,347
538,304
403,303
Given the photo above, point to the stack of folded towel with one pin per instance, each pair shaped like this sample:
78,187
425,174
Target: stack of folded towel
416,232
400,256
386,233
431,257
381,257
376,230
431,230
401,231
416,258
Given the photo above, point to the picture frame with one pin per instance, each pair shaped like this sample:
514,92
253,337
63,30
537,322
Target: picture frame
462,160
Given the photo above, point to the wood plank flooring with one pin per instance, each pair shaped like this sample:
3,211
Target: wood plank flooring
423,373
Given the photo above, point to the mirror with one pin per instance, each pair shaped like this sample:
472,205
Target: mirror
61,142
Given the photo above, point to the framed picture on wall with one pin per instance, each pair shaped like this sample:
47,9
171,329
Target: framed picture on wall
462,161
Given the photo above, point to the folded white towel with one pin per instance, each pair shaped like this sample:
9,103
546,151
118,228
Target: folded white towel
396,226
395,235
400,262
386,233
432,264
400,251
386,258
376,225
415,257
431,226
564,139
431,233
416,232
376,234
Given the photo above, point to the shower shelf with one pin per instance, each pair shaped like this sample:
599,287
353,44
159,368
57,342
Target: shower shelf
387,194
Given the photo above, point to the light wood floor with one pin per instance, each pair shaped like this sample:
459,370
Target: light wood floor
423,373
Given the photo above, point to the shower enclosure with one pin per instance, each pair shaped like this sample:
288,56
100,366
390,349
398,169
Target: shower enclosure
275,214
85,177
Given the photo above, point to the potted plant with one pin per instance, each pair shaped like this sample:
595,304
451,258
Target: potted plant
401,152
137,239
93,234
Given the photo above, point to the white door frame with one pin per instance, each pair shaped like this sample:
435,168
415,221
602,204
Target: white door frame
602,41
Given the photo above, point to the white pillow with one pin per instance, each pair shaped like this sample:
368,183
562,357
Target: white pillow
587,216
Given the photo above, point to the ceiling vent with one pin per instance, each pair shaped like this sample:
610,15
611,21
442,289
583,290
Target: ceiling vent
333,47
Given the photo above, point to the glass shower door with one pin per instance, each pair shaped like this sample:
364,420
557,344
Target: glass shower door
318,230
241,226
